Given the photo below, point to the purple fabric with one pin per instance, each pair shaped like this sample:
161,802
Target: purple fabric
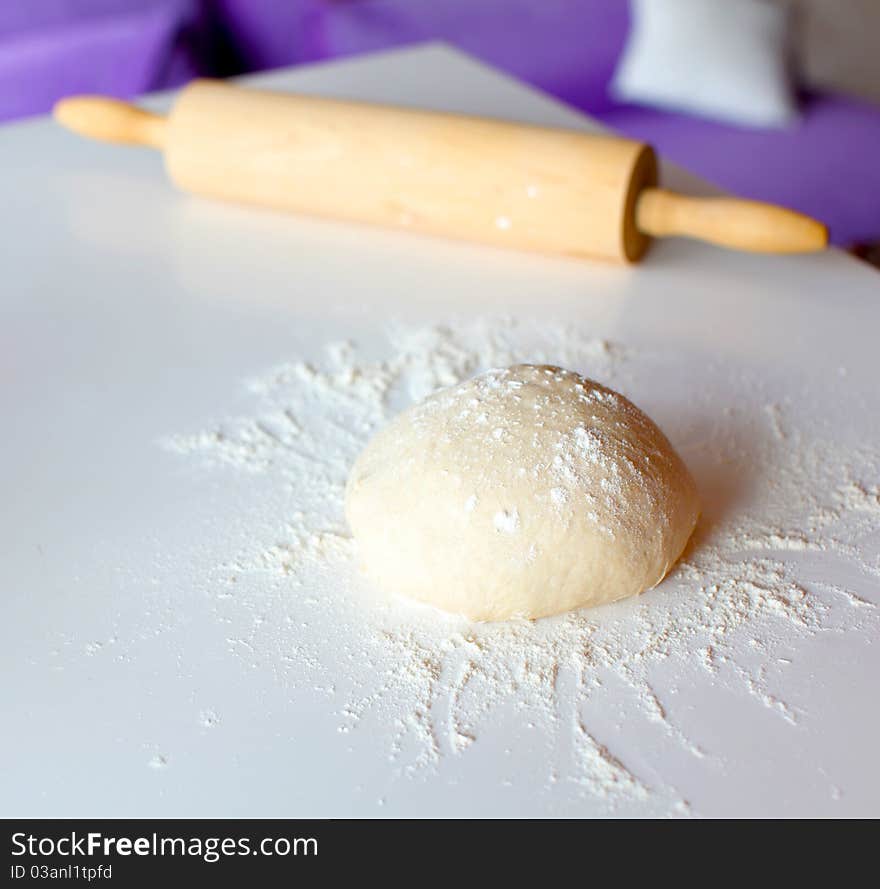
568,48
826,165
53,48
270,33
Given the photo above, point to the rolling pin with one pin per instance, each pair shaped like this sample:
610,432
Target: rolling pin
491,181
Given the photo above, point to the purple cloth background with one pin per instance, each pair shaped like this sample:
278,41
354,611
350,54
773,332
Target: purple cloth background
53,48
569,48
825,165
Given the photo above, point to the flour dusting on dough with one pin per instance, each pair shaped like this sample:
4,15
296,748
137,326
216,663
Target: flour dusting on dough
738,611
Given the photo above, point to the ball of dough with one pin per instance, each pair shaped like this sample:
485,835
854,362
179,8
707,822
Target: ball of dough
521,493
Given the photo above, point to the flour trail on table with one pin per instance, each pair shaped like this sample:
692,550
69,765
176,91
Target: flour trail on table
738,610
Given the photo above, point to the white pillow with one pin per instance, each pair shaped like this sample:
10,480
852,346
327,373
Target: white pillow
724,59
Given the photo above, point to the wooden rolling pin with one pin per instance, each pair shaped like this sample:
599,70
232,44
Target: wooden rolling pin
507,184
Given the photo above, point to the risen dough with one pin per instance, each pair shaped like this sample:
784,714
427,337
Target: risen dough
523,492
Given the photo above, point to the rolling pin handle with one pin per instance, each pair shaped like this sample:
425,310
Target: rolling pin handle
111,120
729,222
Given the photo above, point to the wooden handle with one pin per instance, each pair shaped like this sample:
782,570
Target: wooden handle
729,222
512,185
111,120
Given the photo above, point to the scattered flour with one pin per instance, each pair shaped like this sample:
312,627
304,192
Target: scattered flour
506,521
738,608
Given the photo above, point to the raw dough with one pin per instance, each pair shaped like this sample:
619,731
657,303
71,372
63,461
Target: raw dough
523,492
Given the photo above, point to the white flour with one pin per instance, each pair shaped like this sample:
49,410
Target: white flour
739,608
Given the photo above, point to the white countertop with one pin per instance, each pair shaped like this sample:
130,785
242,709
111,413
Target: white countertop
130,313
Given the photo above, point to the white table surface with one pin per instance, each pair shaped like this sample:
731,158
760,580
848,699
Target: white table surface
129,312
